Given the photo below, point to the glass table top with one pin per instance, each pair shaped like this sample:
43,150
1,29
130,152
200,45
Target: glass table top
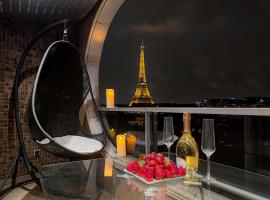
106,179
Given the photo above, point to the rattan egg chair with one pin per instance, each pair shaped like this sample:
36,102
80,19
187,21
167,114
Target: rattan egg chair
61,86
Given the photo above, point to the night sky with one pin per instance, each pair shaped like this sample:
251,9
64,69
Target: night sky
194,49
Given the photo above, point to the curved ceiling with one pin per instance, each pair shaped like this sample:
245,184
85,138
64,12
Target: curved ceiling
45,10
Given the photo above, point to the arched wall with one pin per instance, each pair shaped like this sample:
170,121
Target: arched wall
92,51
96,39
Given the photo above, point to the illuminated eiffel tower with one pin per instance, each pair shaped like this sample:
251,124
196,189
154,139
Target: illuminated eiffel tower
142,95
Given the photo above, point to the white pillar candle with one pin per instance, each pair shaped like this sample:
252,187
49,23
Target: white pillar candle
110,98
121,145
131,143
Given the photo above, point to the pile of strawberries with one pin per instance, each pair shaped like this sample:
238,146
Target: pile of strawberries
155,166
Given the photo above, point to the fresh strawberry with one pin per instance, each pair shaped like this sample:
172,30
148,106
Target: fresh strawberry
153,156
149,178
161,166
152,168
171,165
168,173
149,175
181,171
130,167
159,173
174,171
172,168
147,161
153,163
157,167
160,159
146,166
152,171
141,172
134,166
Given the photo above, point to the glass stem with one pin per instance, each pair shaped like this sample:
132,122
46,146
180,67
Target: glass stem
169,152
208,167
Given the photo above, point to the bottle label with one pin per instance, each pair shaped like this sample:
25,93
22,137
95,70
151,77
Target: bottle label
180,162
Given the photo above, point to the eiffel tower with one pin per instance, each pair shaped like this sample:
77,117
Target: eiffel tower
142,95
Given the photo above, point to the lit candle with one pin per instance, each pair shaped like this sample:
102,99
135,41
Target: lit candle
121,145
112,133
108,168
131,143
110,98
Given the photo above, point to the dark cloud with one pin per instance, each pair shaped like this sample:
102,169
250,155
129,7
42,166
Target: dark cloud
171,25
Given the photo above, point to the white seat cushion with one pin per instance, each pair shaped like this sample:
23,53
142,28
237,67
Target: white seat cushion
78,144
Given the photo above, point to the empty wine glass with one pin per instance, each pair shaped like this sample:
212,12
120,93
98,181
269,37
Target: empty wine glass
208,145
168,133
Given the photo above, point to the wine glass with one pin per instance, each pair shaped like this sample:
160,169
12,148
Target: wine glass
208,145
168,133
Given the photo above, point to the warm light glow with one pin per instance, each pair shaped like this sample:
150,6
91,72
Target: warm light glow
121,145
112,133
131,143
110,98
108,168
99,34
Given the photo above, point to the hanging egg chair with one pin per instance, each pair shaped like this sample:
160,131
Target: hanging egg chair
52,118
60,88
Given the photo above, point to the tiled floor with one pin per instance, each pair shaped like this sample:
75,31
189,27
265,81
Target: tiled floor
26,192
33,192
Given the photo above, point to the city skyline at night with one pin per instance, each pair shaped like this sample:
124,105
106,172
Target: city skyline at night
195,50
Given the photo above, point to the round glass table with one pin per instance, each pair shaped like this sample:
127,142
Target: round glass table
106,179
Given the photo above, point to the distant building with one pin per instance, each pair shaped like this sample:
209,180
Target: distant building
142,95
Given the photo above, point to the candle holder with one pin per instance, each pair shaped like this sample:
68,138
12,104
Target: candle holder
112,133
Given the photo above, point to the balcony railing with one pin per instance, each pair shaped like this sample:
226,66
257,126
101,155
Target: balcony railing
214,111
242,134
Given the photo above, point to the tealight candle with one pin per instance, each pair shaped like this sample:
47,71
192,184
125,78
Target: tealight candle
110,98
131,143
108,168
112,133
121,145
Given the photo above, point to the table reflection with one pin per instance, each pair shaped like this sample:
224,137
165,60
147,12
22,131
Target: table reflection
136,189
